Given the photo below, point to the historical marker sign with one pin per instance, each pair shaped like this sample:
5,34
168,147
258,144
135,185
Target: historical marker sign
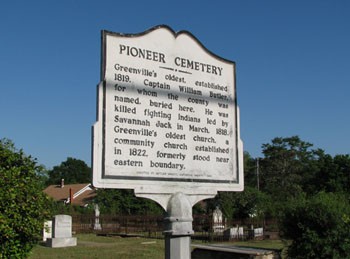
167,116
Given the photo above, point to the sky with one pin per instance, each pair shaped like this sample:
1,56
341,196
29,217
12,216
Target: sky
292,67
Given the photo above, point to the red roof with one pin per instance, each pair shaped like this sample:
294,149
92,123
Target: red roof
83,193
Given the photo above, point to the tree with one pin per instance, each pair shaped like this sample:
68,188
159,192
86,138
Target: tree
124,202
72,171
319,227
287,165
23,205
243,205
250,202
333,174
250,171
43,176
342,163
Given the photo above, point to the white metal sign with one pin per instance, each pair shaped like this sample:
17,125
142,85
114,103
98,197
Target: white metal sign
167,116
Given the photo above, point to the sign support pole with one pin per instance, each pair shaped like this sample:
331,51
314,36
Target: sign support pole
178,229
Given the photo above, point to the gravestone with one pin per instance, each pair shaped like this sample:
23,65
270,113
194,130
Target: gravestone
218,221
47,231
234,233
61,232
258,232
97,225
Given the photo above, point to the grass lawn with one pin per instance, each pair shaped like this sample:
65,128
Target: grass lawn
92,246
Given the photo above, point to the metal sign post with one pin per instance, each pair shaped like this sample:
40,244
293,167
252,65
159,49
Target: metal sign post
167,125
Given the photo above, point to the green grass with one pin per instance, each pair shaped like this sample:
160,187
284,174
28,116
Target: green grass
92,246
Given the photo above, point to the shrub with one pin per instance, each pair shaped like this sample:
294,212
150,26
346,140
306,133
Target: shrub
319,227
22,202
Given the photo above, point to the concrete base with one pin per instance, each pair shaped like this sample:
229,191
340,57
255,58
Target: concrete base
231,252
61,242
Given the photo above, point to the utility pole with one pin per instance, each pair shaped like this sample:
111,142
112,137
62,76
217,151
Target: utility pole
257,173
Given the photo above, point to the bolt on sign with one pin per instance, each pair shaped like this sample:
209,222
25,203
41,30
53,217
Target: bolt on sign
167,116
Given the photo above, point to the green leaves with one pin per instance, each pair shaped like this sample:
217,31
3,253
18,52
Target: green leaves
242,205
22,202
318,226
124,202
72,171
287,167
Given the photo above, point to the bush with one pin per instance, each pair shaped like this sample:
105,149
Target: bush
22,202
319,227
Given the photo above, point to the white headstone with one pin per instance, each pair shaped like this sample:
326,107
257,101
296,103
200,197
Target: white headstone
236,232
217,216
97,225
61,232
258,232
218,221
62,226
47,231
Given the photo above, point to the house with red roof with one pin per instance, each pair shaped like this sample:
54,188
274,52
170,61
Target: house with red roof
80,194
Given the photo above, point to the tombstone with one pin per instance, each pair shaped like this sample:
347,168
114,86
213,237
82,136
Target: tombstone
61,232
258,232
218,221
97,225
234,233
47,231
